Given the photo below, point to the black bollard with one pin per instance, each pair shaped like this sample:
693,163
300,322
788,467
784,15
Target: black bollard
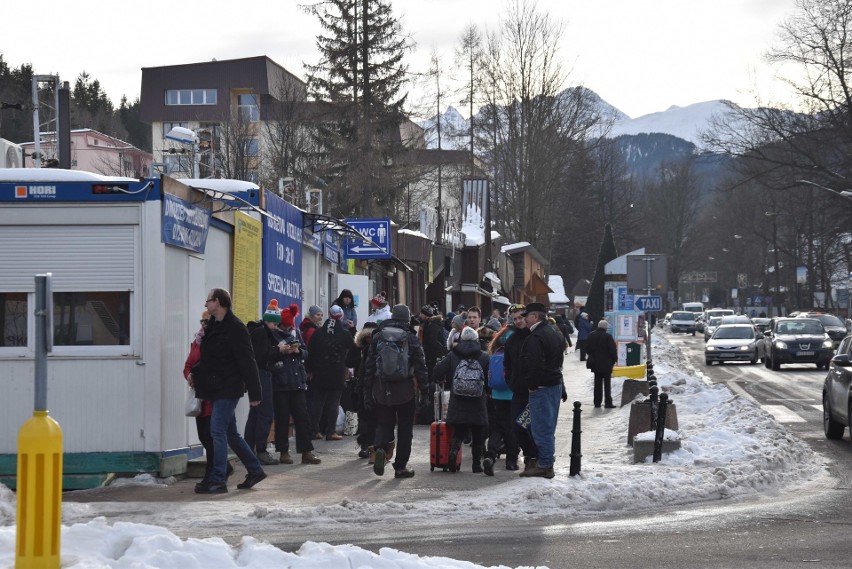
653,399
575,441
661,427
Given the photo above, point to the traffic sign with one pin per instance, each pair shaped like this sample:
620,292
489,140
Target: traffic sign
377,239
649,303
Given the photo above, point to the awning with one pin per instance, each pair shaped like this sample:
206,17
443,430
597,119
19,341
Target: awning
502,300
328,223
536,286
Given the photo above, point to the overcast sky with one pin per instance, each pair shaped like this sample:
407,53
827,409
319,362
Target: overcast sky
640,56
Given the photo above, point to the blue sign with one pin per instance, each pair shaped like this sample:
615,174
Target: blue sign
331,250
282,252
625,300
649,303
184,224
377,231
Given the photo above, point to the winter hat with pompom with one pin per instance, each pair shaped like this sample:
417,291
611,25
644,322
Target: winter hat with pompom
273,313
288,316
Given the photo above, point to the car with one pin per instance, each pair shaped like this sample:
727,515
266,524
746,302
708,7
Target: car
735,319
762,324
699,323
734,343
683,321
837,392
835,327
710,326
714,312
797,341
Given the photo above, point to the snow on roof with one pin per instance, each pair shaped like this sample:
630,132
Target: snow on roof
413,232
557,286
220,184
56,175
514,246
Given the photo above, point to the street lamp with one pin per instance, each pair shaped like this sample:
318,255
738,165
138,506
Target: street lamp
187,136
842,193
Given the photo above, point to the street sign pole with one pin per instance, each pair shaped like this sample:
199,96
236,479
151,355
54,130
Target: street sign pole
650,288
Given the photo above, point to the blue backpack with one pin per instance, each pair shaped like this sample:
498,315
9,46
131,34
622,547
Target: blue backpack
496,375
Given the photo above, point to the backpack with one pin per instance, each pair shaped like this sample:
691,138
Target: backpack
469,378
392,354
253,325
496,374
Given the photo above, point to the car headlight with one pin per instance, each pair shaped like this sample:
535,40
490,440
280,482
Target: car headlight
744,348
710,348
828,344
780,345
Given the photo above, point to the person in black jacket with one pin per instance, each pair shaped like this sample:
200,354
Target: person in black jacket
468,414
542,356
434,341
514,370
327,351
227,370
601,355
259,421
393,401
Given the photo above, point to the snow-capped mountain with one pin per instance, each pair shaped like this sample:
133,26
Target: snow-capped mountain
686,123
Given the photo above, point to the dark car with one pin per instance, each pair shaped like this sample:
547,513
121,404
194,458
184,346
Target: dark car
834,326
762,324
837,392
797,341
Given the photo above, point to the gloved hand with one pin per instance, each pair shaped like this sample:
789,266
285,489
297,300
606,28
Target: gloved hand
564,394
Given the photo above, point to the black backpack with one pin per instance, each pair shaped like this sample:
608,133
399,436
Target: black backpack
392,354
469,378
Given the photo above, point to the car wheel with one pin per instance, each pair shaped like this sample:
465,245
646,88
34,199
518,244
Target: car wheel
819,365
708,363
754,358
775,364
833,429
766,362
693,332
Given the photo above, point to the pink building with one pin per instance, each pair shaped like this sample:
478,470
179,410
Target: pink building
93,151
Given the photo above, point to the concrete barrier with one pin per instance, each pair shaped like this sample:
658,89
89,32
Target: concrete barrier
640,419
633,387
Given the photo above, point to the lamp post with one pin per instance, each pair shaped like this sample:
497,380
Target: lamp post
187,136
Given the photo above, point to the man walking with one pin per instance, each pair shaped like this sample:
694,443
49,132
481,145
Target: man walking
601,355
227,370
542,357
390,385
514,371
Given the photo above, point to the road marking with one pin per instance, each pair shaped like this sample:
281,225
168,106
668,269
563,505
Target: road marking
817,407
790,399
783,414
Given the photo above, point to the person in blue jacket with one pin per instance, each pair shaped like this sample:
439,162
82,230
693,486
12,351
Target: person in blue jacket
584,328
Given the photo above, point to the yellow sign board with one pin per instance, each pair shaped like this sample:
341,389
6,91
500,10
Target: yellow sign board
248,234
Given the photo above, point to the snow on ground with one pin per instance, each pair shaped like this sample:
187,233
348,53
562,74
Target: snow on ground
731,449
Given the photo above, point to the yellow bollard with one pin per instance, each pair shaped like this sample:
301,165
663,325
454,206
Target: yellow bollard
39,493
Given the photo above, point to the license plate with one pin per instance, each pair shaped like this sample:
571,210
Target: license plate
726,355
805,353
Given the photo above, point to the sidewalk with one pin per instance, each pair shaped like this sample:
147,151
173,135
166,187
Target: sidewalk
343,475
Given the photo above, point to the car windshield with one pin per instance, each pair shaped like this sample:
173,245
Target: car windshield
715,321
829,320
734,333
683,316
803,327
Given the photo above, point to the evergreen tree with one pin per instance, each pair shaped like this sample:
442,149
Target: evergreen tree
138,133
595,303
16,124
361,74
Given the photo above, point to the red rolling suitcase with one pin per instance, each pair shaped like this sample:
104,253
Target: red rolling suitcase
440,438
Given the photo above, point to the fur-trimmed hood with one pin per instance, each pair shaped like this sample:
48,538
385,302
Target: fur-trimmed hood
364,337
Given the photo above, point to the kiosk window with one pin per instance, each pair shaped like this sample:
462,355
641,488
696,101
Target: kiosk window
91,318
13,317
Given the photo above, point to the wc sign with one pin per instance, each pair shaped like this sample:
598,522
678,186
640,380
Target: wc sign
376,242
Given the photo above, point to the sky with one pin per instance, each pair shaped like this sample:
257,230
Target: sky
732,452
640,56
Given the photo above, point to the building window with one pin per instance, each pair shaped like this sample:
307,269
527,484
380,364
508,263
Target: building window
13,318
176,163
91,319
251,147
168,126
191,97
247,108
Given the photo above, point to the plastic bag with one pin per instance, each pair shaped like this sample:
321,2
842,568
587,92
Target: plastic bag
192,407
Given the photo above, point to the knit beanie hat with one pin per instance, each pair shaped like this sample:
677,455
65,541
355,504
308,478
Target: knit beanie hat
427,311
288,316
469,334
335,312
401,312
458,321
273,313
314,310
380,300
494,324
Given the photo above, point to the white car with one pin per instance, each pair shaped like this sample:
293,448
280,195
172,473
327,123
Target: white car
733,343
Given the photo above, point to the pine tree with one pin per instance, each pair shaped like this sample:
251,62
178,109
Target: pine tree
361,74
595,302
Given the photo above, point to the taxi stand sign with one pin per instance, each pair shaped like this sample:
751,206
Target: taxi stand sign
376,243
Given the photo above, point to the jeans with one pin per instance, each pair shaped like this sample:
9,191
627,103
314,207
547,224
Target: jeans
403,416
292,403
544,408
223,428
260,418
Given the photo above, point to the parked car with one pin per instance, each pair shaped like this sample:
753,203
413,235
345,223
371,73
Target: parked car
734,343
710,326
837,392
762,324
683,321
835,327
797,341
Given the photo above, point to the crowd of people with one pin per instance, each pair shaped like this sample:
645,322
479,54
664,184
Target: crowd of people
496,381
